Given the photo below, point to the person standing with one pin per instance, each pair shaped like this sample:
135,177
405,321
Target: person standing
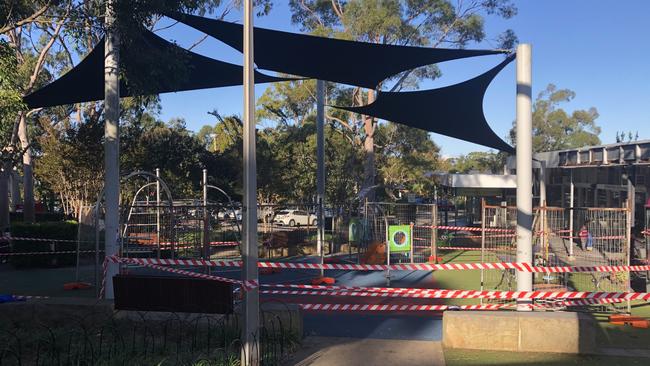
586,240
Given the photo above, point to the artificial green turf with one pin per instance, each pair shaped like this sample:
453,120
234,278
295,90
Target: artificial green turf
458,357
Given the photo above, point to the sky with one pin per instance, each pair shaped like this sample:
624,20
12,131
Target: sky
597,48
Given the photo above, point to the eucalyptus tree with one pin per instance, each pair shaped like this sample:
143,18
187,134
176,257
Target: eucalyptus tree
42,39
430,23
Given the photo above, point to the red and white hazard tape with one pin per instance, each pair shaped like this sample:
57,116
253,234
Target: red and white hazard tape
192,245
469,228
386,307
475,248
523,267
246,285
47,253
400,290
473,294
19,238
645,232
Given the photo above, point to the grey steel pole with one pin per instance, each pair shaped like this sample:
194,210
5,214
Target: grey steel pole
571,199
250,339
111,144
524,170
542,183
206,218
158,210
320,171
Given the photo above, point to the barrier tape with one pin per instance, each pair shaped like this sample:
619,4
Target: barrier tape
47,253
19,238
387,307
645,232
246,285
475,248
104,274
473,294
191,245
522,267
580,302
468,228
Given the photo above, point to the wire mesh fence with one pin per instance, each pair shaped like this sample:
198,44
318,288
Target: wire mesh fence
35,334
498,244
562,237
380,216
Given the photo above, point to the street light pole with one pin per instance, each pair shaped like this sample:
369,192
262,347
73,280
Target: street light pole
250,336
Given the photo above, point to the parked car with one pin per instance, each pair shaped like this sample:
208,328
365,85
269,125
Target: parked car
229,214
294,218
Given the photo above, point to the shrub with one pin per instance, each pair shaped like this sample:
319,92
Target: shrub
63,230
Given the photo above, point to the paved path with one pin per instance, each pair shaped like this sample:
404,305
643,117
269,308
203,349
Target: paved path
325,351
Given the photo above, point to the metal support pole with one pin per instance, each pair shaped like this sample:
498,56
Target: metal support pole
206,218
250,336
542,183
524,170
483,219
158,211
111,144
571,204
320,171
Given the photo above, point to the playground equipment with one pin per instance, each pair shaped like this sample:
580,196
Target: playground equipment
556,245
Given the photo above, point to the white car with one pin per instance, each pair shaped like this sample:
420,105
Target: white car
229,214
294,218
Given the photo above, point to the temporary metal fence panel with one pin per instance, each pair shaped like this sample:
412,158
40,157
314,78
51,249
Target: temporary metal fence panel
600,237
422,217
498,244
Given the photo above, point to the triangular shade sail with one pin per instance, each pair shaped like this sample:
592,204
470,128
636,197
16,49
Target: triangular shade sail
455,110
348,62
85,82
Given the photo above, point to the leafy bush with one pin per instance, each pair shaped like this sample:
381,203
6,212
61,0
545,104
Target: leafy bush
39,216
63,230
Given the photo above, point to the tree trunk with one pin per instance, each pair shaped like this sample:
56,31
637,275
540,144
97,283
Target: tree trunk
14,188
369,151
4,196
28,178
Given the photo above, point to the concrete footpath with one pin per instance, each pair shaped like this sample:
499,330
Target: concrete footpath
327,351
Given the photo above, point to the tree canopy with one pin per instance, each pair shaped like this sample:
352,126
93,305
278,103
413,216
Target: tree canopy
556,129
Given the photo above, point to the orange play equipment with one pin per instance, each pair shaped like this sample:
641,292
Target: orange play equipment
376,253
634,321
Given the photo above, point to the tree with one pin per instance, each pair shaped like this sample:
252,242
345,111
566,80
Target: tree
483,162
421,23
44,38
407,157
556,129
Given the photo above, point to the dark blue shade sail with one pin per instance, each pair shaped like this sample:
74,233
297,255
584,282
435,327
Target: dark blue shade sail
146,64
363,64
455,110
